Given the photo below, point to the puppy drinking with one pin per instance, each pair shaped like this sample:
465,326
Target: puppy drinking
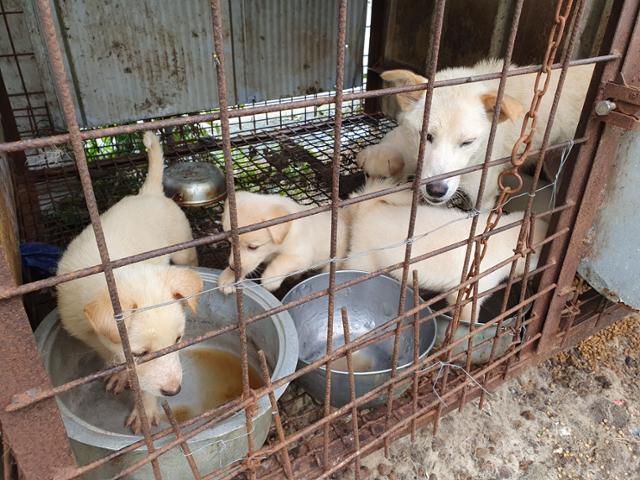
384,221
459,125
135,224
288,247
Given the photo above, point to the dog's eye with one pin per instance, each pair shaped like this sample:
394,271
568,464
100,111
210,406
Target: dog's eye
140,354
253,247
466,143
429,138
178,338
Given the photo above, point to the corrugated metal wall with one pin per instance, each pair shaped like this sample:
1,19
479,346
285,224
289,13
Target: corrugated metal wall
133,59
612,254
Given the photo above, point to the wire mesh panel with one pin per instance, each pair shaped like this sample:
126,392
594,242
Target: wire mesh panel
489,322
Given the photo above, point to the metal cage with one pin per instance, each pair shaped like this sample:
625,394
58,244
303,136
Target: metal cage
317,441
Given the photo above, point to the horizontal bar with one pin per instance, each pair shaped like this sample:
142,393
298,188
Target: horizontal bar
218,237
248,111
26,399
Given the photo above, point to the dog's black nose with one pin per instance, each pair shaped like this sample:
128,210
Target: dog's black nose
437,189
168,393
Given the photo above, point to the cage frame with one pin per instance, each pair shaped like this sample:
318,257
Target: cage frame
33,432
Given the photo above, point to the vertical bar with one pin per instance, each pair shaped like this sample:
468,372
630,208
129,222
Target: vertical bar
335,205
527,223
266,378
513,33
416,351
458,305
39,441
218,45
574,312
184,445
352,392
64,93
436,29
594,164
6,457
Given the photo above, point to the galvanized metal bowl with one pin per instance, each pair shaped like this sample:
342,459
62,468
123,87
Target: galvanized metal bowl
94,419
194,184
482,341
370,304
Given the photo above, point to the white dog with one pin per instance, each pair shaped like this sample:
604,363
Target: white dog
384,222
459,126
135,224
288,247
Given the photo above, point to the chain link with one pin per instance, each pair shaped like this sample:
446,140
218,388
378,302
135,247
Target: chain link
524,144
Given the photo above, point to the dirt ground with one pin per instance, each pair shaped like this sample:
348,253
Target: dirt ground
576,416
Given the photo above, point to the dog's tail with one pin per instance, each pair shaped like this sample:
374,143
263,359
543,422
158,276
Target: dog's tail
153,184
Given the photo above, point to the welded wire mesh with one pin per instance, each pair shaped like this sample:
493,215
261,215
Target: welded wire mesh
311,159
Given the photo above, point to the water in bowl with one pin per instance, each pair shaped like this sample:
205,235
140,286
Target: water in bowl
361,362
216,380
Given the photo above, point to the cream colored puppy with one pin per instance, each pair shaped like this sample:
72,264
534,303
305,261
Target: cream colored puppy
288,247
384,222
459,126
135,224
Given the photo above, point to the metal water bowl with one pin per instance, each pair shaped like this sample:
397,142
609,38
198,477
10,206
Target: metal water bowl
370,304
482,341
94,419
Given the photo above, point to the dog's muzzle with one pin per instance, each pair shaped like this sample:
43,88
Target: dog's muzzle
437,190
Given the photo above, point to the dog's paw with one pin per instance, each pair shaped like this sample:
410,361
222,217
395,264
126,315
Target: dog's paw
380,161
226,281
149,139
272,284
117,382
134,421
361,158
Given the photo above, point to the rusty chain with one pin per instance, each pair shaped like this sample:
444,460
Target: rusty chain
519,155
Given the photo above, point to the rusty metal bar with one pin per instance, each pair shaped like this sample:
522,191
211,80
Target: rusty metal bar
416,350
63,89
23,400
266,378
562,12
218,237
230,408
38,438
436,29
335,204
237,404
183,445
584,188
352,390
528,218
402,424
218,45
515,19
6,457
248,111
547,134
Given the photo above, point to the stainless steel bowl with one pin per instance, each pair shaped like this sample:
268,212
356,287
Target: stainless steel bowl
482,342
94,419
370,304
194,184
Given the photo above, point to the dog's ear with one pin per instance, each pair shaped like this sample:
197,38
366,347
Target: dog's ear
401,78
510,108
185,283
99,313
278,232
